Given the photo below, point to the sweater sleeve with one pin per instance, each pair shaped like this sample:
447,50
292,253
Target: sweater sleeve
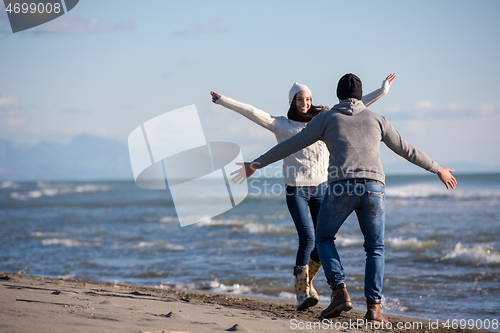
376,94
309,135
257,116
397,144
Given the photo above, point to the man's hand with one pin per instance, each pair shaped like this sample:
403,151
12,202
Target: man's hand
447,178
244,172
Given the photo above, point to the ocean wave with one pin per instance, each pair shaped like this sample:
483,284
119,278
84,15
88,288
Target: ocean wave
7,185
428,190
422,190
247,227
67,276
393,304
67,242
341,241
160,244
209,222
237,289
40,234
287,295
213,286
259,228
413,243
168,219
47,191
475,255
178,286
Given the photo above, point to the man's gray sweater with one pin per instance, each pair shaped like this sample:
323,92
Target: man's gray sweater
352,134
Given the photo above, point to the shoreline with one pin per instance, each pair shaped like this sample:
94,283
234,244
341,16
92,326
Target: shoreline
32,303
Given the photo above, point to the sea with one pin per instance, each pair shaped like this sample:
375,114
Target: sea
442,246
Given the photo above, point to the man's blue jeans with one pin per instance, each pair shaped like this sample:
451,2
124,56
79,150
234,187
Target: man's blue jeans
368,201
300,200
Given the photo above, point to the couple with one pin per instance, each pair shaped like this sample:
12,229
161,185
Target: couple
352,136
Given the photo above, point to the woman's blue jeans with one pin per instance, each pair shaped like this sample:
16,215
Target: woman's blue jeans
368,201
300,200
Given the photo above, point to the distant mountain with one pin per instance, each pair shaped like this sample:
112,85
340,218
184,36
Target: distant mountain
86,157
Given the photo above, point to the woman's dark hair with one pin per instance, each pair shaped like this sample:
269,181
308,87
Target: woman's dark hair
313,111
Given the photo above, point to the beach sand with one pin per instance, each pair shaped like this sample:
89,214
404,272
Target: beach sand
38,304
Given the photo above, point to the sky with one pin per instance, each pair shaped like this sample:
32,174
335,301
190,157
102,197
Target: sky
106,67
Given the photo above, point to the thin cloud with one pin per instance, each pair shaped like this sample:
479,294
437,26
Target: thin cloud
211,27
10,114
7,101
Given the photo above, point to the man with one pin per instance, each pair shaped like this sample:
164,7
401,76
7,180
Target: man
356,181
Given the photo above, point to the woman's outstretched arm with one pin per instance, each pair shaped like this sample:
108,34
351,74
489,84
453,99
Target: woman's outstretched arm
375,95
259,117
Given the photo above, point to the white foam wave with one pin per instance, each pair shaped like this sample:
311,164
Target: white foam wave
237,289
213,286
225,223
42,184
9,185
67,276
287,295
179,286
475,255
393,304
47,191
66,242
416,190
259,228
40,234
249,227
168,219
161,244
341,241
413,243
431,190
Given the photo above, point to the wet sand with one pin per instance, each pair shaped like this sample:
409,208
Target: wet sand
37,304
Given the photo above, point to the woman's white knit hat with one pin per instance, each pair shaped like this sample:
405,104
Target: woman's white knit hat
295,89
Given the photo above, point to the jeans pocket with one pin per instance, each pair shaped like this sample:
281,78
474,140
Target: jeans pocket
338,203
376,202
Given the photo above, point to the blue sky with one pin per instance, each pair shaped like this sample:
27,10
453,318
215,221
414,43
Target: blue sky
108,66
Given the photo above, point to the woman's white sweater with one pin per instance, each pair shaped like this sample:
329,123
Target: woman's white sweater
309,166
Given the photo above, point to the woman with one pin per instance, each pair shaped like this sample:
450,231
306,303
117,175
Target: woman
304,175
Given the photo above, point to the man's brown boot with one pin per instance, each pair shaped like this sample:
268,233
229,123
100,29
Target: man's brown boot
373,314
340,301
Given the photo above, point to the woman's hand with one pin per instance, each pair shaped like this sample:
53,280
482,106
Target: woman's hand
390,78
447,178
244,172
215,96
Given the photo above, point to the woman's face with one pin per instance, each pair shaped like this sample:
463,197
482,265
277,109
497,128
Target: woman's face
303,101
